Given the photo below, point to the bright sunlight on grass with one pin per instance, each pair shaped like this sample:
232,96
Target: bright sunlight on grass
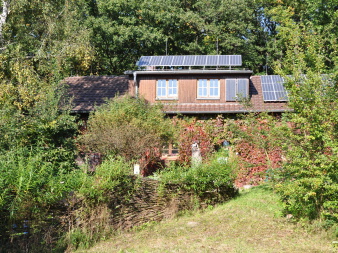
250,223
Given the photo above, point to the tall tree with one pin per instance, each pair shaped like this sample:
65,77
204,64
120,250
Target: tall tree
309,181
38,50
50,33
321,16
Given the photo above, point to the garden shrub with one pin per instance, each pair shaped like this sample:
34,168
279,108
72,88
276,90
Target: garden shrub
215,174
37,150
308,181
37,153
128,127
30,185
208,134
89,208
109,178
257,140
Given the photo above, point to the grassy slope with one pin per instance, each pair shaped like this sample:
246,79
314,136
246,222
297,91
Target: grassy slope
249,223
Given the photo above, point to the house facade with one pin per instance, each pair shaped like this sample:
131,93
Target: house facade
206,89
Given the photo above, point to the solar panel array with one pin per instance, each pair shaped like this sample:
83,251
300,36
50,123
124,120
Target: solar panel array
190,60
273,88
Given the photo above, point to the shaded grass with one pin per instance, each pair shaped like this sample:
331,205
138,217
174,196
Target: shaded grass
250,223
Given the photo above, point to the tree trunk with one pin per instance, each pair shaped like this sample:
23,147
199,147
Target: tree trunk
4,14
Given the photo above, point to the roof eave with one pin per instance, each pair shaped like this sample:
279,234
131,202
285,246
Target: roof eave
187,72
223,112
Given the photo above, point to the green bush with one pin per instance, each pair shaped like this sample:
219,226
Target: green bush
31,180
308,181
91,211
111,177
217,173
128,127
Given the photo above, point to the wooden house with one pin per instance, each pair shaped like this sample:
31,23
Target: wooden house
195,85
206,84
190,85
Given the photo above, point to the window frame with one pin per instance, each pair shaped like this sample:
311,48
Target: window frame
208,88
170,86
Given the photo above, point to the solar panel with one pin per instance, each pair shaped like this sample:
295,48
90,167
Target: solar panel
212,60
237,60
223,60
190,60
273,88
178,60
201,60
166,61
155,60
144,61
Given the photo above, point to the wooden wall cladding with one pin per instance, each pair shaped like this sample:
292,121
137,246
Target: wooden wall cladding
187,87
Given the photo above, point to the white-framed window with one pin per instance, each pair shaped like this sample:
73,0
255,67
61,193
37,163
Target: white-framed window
167,89
236,89
208,89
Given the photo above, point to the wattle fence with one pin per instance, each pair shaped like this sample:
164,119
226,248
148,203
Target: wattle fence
151,201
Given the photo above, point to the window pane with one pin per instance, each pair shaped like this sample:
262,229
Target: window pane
214,88
161,88
202,88
172,91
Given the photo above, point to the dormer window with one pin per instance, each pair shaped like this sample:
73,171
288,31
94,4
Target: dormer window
237,89
167,89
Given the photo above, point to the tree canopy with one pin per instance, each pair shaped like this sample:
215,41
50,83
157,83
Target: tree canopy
107,37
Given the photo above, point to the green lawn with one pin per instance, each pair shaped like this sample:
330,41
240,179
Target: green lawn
250,223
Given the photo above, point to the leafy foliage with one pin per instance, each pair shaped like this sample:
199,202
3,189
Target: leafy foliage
53,41
302,27
128,127
208,134
215,174
41,42
194,132
31,180
257,141
36,147
123,31
308,180
111,177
